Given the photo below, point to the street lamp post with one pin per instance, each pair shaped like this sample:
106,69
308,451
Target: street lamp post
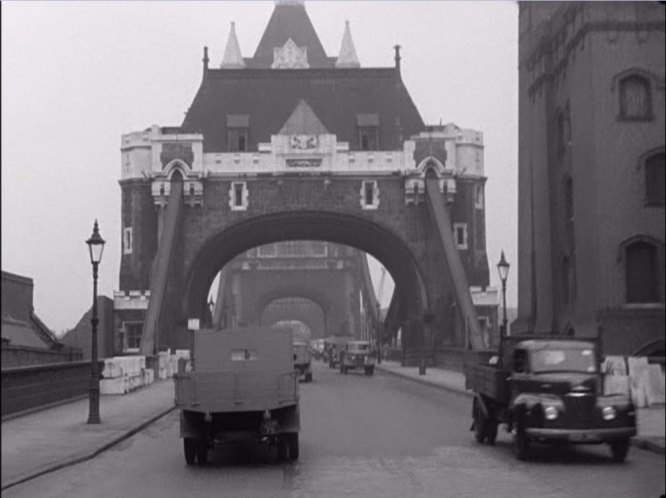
503,269
95,247
379,334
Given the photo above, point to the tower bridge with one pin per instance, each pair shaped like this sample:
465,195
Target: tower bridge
306,147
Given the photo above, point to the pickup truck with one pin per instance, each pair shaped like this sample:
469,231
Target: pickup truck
242,387
357,354
548,389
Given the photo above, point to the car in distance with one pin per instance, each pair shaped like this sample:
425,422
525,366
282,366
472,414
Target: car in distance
357,355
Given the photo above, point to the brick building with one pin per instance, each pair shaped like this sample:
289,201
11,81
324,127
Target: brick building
591,171
26,340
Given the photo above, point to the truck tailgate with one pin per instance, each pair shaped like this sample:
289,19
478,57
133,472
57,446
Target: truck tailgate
235,391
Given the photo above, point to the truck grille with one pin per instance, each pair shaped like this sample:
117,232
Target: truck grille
580,409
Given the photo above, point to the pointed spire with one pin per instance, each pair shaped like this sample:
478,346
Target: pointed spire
397,56
232,54
347,57
205,60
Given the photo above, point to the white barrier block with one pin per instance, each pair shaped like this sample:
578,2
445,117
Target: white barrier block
654,385
615,365
183,353
117,385
148,376
112,369
617,384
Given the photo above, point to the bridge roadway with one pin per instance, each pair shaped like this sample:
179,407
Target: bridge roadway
381,436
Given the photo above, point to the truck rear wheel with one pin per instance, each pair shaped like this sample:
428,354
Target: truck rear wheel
308,377
292,444
480,424
369,370
190,448
202,451
619,449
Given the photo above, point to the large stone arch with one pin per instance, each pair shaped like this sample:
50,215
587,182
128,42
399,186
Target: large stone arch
309,292
367,235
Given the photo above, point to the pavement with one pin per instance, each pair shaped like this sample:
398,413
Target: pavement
48,440
56,437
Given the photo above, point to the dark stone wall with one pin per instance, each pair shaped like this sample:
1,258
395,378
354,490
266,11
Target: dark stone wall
140,213
21,356
24,388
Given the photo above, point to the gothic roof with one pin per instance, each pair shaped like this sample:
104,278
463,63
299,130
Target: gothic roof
290,20
267,97
291,74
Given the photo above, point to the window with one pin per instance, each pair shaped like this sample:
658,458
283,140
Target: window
635,102
568,280
132,335
238,126
237,140
654,179
368,131
238,196
567,198
478,196
369,195
641,272
127,240
563,129
460,234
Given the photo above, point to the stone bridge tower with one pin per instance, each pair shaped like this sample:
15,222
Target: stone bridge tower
292,145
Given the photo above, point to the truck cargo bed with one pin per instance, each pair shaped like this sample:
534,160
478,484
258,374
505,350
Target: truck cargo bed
235,391
487,380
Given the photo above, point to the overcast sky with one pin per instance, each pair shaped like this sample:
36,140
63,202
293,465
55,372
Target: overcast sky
77,75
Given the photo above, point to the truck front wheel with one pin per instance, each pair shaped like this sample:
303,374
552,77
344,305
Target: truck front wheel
619,449
521,444
190,447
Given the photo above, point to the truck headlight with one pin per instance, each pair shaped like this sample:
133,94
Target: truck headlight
608,413
550,413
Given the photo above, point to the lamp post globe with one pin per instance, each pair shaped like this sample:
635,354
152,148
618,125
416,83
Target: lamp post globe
95,248
503,270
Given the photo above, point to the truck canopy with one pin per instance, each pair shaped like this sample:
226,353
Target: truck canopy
238,350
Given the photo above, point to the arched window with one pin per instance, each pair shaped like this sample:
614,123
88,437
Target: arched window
566,270
635,101
654,179
641,272
567,198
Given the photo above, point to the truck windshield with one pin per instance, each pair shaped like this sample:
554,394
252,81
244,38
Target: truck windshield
564,360
360,348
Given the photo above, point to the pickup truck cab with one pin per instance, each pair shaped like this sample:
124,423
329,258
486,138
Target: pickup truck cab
303,361
357,354
549,390
242,387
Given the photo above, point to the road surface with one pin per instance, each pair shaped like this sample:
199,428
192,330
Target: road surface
380,436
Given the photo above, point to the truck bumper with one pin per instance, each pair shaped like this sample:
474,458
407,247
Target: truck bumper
581,435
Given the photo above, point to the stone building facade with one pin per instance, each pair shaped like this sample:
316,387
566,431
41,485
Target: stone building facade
591,171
